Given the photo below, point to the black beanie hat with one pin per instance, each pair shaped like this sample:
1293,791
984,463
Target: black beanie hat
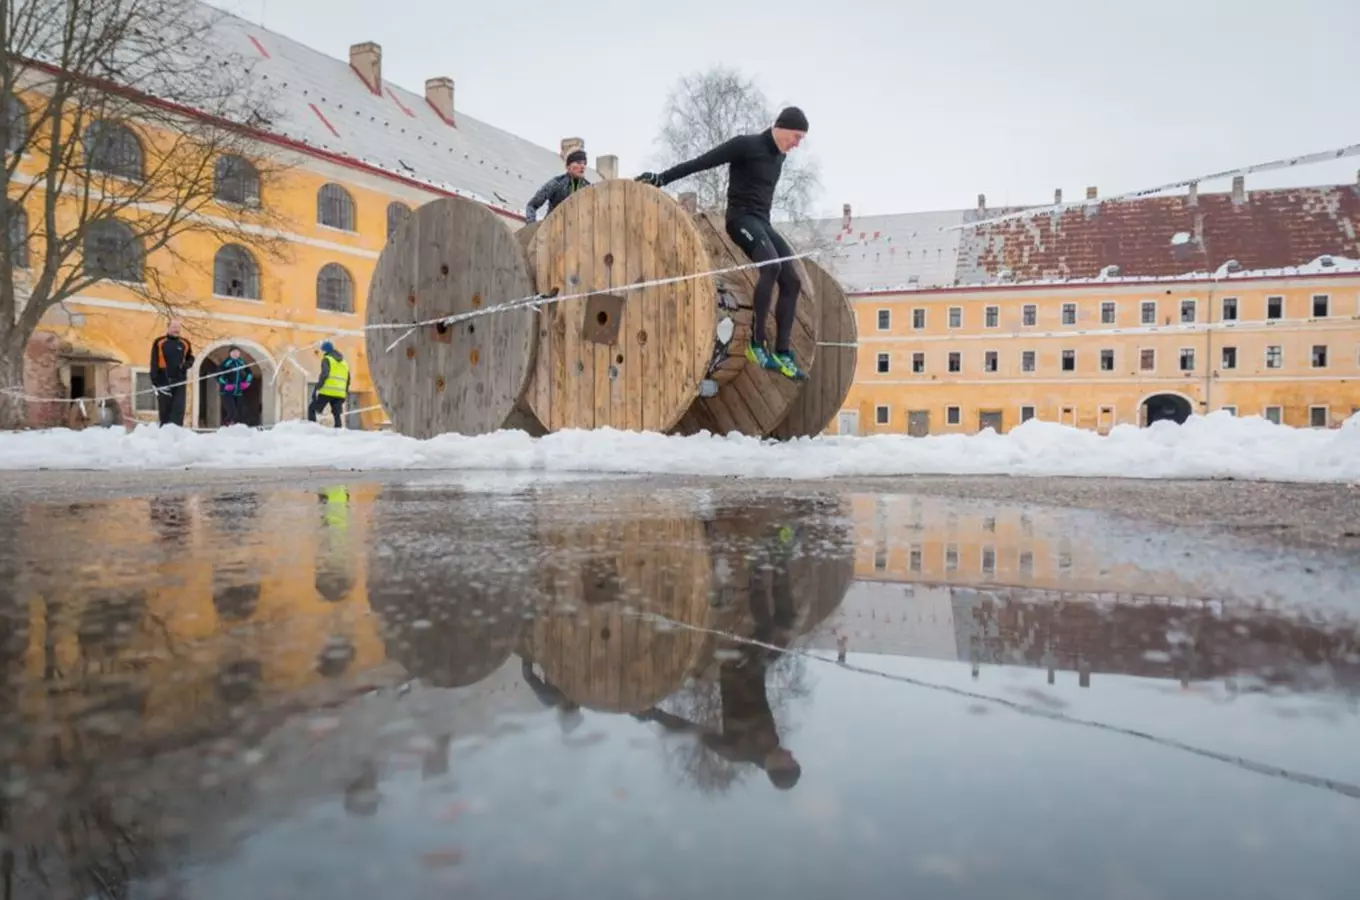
792,118
576,156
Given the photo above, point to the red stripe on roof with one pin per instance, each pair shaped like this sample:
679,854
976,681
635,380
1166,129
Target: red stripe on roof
400,104
260,47
323,119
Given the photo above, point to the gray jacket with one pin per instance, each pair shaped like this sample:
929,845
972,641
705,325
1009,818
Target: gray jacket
554,192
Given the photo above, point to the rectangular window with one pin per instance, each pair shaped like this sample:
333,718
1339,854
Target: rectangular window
955,362
915,558
1274,356
951,557
1188,359
993,316
1027,563
145,400
883,362
1107,313
1188,311
918,319
1027,361
1147,360
1317,416
1026,413
881,559
1319,356
1149,312
1274,414
989,361
1029,315
1230,309
1069,314
918,363
1229,358
1230,410
1321,303
884,319
1274,307
956,317
1069,363
988,560
1107,360
953,415
881,415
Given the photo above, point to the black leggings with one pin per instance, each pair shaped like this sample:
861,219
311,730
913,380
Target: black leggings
759,241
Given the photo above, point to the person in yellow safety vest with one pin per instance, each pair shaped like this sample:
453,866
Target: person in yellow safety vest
332,385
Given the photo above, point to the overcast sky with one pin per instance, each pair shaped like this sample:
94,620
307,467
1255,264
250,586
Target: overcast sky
913,106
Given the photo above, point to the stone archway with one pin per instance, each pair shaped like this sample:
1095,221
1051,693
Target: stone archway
1168,406
261,401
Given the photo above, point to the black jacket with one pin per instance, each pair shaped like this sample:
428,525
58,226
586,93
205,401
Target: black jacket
171,358
756,165
554,192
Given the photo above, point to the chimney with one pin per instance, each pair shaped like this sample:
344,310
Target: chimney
572,143
1193,199
1057,197
366,60
689,202
1239,193
982,202
607,166
1091,192
439,94
845,217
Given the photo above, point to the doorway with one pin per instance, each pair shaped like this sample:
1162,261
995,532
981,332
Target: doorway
918,422
848,422
1166,408
991,419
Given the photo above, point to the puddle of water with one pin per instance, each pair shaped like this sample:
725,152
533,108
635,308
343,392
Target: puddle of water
578,689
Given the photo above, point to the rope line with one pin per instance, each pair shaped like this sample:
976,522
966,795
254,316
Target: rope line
1273,165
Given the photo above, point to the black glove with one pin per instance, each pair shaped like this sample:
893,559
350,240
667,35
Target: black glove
650,178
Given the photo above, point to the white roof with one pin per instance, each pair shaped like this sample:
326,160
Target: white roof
904,251
398,131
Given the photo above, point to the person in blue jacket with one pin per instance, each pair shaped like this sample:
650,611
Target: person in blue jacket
233,380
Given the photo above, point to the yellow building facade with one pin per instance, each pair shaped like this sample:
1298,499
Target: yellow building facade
354,155
960,360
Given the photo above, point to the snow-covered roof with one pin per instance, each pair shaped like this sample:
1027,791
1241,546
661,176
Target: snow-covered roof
325,104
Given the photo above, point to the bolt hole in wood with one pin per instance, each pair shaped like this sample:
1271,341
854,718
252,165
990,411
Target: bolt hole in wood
474,356
444,269
410,352
642,339
439,384
443,334
619,359
476,300
411,298
602,317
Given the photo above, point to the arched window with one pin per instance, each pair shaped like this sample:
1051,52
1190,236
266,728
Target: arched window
18,236
113,148
334,289
397,212
335,207
235,273
17,114
113,251
236,180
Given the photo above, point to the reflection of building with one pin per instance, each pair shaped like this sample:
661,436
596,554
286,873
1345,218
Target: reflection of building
1114,312
358,153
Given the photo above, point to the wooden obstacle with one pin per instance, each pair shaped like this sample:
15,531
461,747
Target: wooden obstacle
830,377
451,256
663,358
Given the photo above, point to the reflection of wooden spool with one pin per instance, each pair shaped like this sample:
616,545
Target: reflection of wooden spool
450,256
610,560
748,399
619,358
829,380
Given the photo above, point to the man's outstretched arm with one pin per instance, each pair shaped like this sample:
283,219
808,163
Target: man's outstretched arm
727,152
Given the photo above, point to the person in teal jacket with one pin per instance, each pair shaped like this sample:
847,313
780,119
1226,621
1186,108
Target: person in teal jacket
233,380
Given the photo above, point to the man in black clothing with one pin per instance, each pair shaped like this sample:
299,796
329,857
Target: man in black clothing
559,188
756,162
171,358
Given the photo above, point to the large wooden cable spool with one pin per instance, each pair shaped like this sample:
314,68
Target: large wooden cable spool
451,256
748,399
619,358
823,394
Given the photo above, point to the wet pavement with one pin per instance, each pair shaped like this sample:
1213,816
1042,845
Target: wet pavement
492,686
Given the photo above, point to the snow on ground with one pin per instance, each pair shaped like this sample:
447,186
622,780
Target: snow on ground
1216,446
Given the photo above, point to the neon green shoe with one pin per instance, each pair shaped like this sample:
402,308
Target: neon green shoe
756,353
787,367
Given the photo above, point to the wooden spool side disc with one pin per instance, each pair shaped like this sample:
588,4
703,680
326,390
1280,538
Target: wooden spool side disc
620,359
451,256
753,401
828,384
611,559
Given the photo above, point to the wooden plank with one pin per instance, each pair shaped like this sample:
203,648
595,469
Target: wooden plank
446,255
644,333
626,259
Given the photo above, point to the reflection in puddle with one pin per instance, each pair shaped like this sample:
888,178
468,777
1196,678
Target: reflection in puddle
185,678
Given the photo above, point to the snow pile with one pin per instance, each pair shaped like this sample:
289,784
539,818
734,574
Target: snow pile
1216,446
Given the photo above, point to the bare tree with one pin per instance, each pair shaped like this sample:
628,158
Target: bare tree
126,128
709,107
